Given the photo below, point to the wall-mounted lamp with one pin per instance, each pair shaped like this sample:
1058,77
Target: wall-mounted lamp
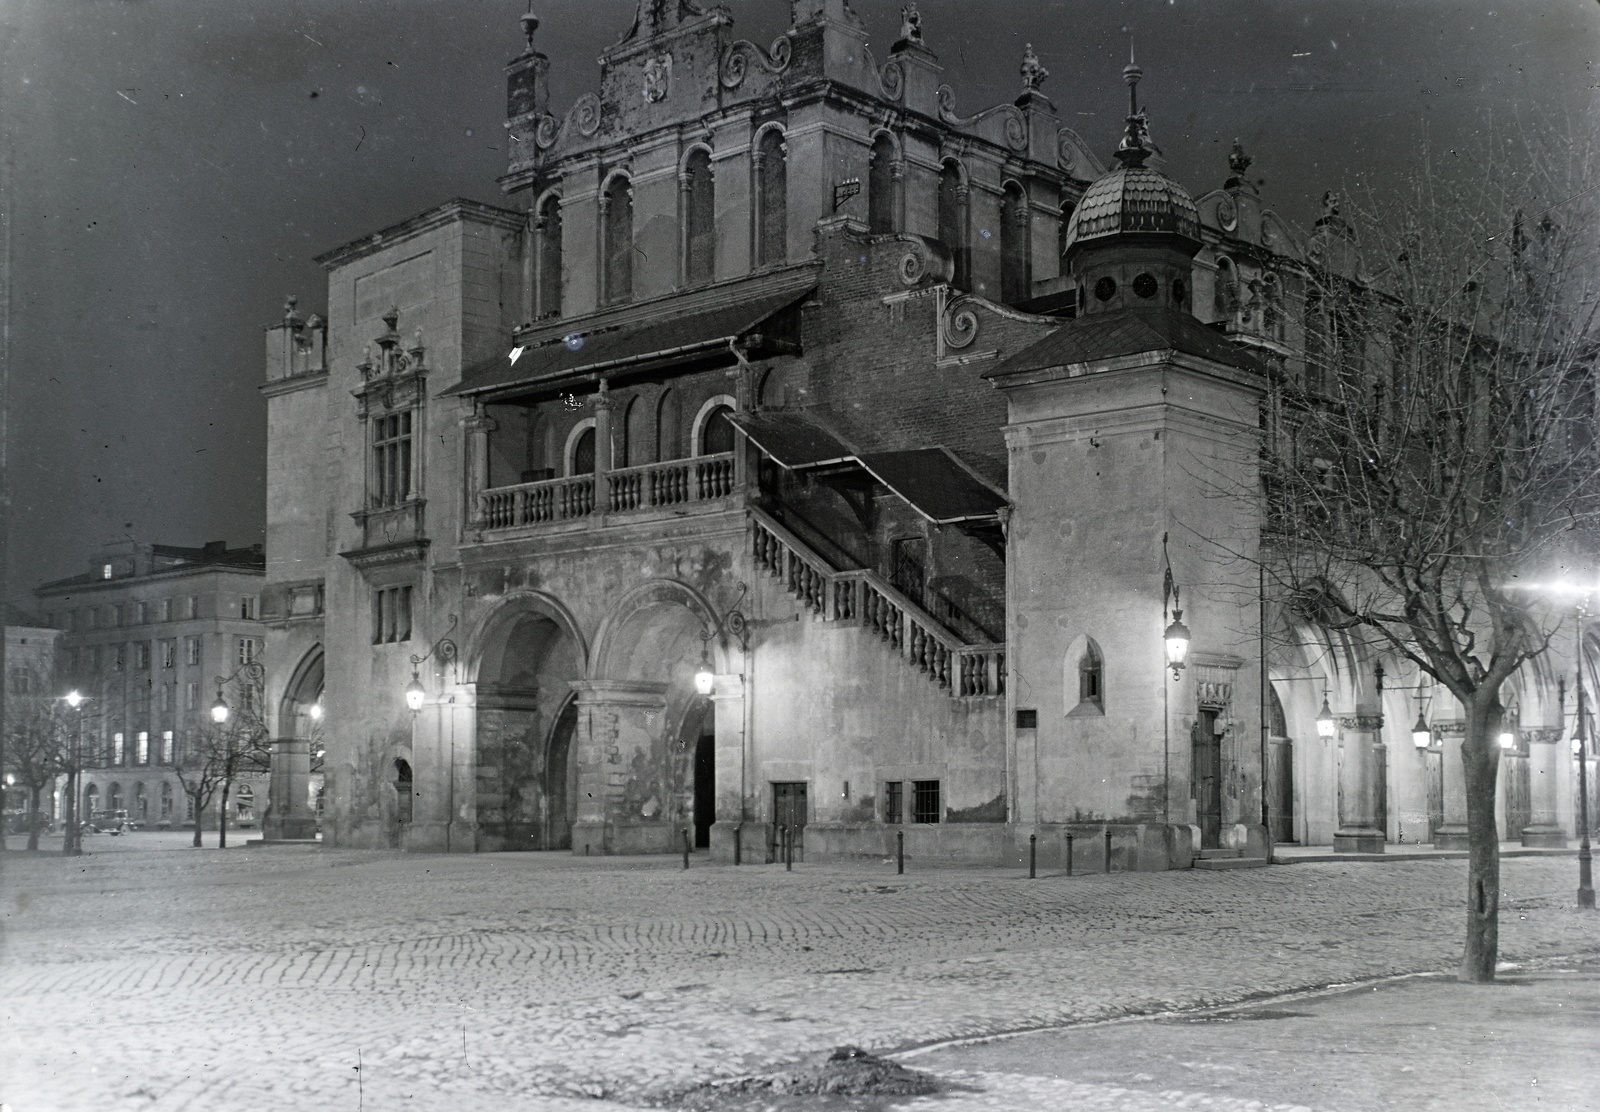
731,624
1177,634
1421,735
315,711
445,650
1508,740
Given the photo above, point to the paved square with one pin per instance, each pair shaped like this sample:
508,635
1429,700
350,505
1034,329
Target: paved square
152,975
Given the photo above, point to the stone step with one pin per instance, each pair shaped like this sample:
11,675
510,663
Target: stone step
1215,863
1220,854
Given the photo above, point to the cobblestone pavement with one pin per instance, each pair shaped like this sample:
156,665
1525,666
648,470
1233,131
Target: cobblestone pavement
152,975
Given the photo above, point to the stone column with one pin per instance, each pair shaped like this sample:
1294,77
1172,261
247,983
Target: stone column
289,817
603,406
1453,831
732,765
1359,781
619,750
1544,762
476,428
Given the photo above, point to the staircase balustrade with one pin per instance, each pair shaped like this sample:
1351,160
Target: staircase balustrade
966,671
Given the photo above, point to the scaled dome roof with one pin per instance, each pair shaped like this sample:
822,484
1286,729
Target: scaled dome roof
1133,199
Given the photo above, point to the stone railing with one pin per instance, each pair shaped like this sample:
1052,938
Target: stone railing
866,598
656,485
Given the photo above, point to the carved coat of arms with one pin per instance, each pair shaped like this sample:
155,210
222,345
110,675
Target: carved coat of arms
657,76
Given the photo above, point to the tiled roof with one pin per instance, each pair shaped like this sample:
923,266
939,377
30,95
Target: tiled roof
582,347
1133,199
1125,332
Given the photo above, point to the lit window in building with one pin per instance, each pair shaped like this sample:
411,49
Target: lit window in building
116,748
143,751
166,747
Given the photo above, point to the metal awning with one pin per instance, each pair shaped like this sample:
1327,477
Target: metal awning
935,483
552,356
932,481
791,440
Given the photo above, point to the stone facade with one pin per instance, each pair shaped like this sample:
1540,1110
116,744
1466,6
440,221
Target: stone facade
772,460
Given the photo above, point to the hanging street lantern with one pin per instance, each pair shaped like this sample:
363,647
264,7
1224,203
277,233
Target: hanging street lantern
1177,638
219,709
1325,726
1421,736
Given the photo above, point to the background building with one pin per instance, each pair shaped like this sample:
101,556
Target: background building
147,631
795,455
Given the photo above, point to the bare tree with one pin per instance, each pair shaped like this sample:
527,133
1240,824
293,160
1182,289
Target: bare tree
220,752
37,730
1440,445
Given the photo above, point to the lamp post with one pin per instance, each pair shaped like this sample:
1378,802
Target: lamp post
252,671
72,836
1580,743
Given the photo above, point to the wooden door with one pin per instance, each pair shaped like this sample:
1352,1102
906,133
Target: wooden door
1435,780
1207,777
1280,788
705,782
789,813
1519,802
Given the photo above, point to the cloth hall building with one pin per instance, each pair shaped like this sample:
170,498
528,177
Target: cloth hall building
797,448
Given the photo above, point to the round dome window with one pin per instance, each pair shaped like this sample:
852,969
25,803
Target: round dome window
1145,286
1177,291
1106,288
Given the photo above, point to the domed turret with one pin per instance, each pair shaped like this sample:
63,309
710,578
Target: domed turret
1130,241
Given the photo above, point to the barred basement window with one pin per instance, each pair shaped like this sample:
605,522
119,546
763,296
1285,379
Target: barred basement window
925,801
391,459
893,801
391,615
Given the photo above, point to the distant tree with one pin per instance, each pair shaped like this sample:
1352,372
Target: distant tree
37,730
1440,447
219,753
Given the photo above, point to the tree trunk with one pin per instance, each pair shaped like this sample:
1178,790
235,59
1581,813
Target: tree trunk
222,818
199,813
33,819
1481,758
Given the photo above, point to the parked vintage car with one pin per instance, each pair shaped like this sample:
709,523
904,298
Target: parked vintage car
110,822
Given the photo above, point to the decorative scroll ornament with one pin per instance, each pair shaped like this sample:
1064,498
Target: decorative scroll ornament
546,132
1016,125
912,267
1066,148
958,324
585,114
892,80
1227,213
657,78
736,60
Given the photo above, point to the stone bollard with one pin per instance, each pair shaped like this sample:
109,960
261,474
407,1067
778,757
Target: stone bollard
685,849
1108,849
1069,853
899,851
1033,855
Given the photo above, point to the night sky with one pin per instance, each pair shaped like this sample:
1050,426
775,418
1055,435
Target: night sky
176,164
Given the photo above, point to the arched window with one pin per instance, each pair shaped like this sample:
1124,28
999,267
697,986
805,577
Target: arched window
166,802
1277,721
1272,307
716,432
141,803
1014,270
1091,676
699,213
953,221
882,218
114,798
635,427
91,800
548,226
772,198
403,789
669,423
616,215
582,462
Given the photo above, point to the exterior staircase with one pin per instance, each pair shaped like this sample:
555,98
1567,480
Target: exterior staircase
1228,859
864,598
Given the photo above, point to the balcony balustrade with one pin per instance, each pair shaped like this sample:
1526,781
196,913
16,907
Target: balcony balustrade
672,484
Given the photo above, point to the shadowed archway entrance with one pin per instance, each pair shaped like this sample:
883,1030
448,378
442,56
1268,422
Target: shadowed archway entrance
526,720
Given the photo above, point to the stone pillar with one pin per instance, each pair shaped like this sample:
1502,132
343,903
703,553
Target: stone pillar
1359,782
1453,831
732,764
289,817
619,751
476,429
1544,762
603,406
444,777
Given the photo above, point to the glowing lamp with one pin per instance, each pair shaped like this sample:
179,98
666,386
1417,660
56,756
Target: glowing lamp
74,698
704,679
219,710
415,696
1508,740
1177,638
1325,727
1421,736
315,712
